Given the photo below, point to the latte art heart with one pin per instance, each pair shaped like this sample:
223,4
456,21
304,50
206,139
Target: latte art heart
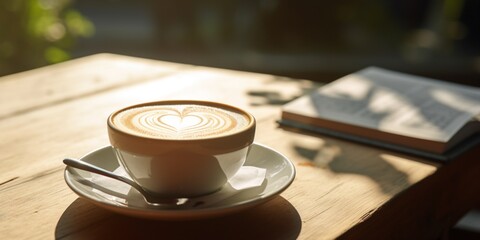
180,121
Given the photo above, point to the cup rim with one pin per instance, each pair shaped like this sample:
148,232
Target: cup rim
247,128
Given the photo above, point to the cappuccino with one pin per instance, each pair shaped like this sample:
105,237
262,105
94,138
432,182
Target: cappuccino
180,121
181,148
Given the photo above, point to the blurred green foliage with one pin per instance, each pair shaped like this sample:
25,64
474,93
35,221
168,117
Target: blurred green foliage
35,33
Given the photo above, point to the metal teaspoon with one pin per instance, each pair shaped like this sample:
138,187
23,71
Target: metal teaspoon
149,198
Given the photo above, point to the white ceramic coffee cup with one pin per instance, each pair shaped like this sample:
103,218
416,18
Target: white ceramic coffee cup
182,167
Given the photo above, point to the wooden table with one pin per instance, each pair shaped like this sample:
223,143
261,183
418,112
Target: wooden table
342,189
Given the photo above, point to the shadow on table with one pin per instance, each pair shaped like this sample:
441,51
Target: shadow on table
330,156
268,94
276,219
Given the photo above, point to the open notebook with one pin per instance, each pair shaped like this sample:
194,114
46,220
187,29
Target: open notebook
407,113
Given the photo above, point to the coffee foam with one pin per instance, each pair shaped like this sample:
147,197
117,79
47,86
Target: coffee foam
182,121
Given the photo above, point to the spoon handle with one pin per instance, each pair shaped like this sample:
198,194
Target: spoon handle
95,169
150,199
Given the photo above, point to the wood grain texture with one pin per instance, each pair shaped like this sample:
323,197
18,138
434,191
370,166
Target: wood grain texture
341,188
25,91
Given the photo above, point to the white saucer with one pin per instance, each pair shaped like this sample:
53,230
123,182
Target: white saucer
280,173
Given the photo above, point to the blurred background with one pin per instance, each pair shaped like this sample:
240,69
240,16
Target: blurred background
316,40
